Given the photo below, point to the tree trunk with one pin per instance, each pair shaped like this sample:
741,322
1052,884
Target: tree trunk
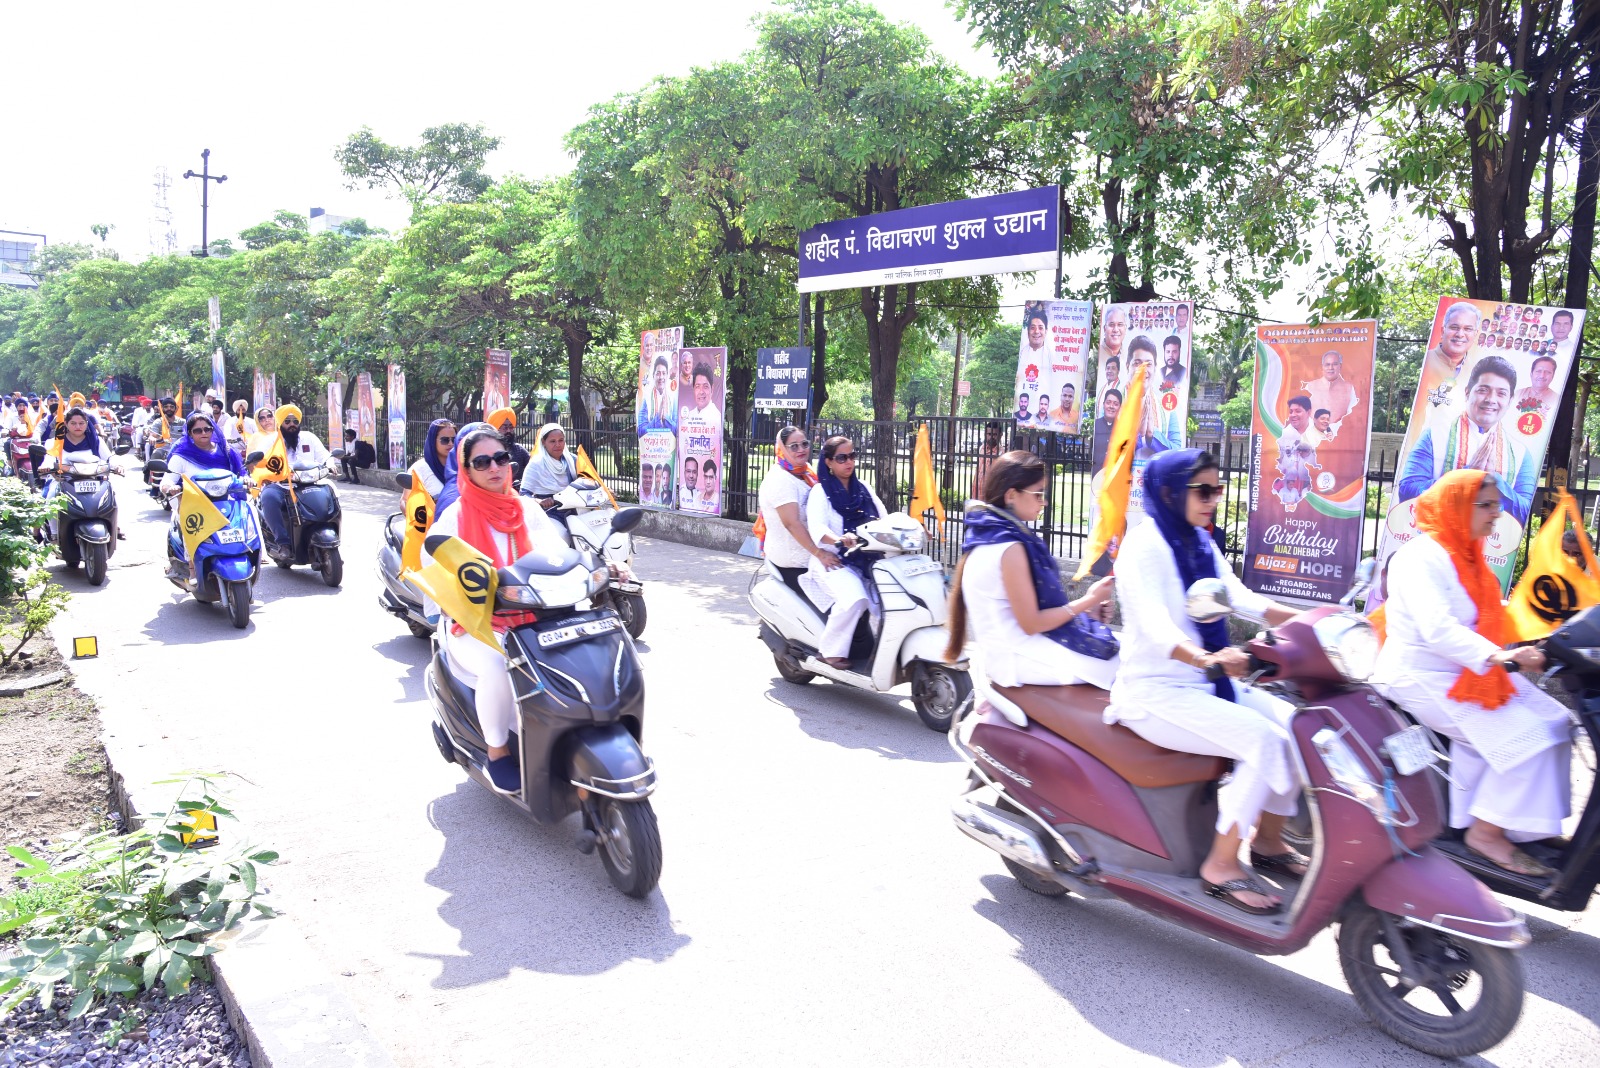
1580,262
735,455
887,322
576,337
819,359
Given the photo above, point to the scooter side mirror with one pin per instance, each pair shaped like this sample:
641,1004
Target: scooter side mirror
403,480
123,450
1208,600
337,454
254,458
626,519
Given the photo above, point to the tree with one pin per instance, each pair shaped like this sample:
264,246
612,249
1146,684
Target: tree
992,369
283,226
102,231
447,165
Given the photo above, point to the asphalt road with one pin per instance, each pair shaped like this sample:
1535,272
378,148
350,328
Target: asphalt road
817,906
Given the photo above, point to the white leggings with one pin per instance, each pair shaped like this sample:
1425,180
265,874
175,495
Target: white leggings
849,601
484,669
1252,732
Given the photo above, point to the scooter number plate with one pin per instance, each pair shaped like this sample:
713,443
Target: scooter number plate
922,568
1410,751
231,536
578,632
627,587
85,487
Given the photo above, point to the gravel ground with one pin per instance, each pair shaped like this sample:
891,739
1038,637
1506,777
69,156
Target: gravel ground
192,1030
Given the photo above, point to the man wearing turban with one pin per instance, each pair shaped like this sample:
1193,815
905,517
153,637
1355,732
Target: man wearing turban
291,450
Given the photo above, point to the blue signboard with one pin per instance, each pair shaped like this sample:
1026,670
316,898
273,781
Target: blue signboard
783,378
988,235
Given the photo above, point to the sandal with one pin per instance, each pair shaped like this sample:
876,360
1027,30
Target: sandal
1520,864
1225,892
1281,863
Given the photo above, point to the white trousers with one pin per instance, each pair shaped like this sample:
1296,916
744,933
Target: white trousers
1528,800
484,669
1252,732
849,601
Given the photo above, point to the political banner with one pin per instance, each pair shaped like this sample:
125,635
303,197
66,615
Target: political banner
366,412
264,391
1018,231
702,392
335,407
496,380
111,389
783,379
1159,335
1308,458
1486,399
396,397
1050,363
660,369
219,381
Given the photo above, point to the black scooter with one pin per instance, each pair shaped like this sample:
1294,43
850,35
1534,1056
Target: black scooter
313,523
580,696
398,596
155,466
86,532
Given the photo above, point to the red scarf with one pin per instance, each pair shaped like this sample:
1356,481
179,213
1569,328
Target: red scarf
482,512
1444,513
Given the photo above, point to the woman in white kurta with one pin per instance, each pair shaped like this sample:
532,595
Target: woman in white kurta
1444,661
833,529
1008,592
1162,693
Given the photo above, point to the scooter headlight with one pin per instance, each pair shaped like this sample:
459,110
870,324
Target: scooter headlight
518,597
1351,644
217,488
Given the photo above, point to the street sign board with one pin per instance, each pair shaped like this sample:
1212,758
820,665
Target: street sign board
783,378
964,388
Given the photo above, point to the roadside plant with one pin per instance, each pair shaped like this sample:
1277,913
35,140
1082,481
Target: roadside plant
118,913
24,615
21,513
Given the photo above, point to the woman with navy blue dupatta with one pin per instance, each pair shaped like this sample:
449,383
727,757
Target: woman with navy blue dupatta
1161,690
839,504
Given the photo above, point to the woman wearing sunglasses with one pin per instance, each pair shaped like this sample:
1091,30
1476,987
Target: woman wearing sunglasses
832,517
1161,690
429,471
490,516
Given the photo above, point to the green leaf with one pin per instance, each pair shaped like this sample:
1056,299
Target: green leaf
177,975
81,1003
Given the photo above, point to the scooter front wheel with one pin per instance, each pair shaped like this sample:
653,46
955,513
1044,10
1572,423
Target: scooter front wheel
1452,998
332,568
632,611
938,690
630,845
237,594
94,564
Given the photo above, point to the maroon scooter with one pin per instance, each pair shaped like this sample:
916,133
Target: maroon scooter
1072,803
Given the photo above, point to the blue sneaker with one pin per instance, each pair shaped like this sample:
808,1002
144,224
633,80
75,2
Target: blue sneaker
505,775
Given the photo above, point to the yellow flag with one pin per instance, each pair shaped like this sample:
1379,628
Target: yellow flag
462,581
1555,586
274,465
419,517
58,429
1116,477
198,518
586,470
179,400
924,483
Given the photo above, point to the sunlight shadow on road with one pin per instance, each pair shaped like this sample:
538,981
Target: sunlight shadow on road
522,896
188,622
411,653
885,724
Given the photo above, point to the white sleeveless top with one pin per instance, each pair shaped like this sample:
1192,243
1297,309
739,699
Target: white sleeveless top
1012,656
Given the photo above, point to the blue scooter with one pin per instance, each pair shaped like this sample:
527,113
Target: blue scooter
226,563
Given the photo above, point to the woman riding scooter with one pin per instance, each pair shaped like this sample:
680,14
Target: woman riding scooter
199,449
1161,690
1009,588
429,470
552,468
831,518
1444,660
503,526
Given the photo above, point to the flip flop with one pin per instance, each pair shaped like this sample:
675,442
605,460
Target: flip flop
1521,864
1225,892
1282,863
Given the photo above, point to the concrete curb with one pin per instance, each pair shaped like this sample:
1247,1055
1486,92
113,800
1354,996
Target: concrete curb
279,999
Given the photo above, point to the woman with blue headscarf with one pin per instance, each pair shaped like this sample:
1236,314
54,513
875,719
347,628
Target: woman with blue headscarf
438,451
200,448
832,516
449,494
1161,691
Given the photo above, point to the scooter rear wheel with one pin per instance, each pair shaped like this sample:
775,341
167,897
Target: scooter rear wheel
419,630
1423,1006
790,669
630,845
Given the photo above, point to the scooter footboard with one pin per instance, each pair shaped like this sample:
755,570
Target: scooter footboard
1428,889
606,760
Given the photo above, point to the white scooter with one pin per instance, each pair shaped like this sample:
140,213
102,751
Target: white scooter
908,643
593,533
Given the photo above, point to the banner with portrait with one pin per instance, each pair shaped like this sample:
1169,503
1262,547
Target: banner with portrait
335,411
396,396
1486,399
264,391
1050,365
110,389
702,394
1159,335
1312,404
366,412
219,380
496,380
656,415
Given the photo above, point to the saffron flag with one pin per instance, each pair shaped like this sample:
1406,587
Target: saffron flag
1555,587
462,581
586,470
179,400
198,518
924,483
1111,521
419,517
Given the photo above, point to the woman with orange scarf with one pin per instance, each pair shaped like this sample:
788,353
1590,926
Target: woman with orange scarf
492,518
1444,660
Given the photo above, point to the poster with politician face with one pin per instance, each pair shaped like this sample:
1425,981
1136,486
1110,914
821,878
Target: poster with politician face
1050,365
701,395
1157,336
1491,379
397,418
657,413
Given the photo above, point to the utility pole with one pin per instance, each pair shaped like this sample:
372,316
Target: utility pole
206,178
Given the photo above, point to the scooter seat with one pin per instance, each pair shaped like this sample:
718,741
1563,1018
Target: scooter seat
1076,714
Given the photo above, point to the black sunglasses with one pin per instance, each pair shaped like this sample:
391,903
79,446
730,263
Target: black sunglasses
446,441
1206,490
843,457
481,463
